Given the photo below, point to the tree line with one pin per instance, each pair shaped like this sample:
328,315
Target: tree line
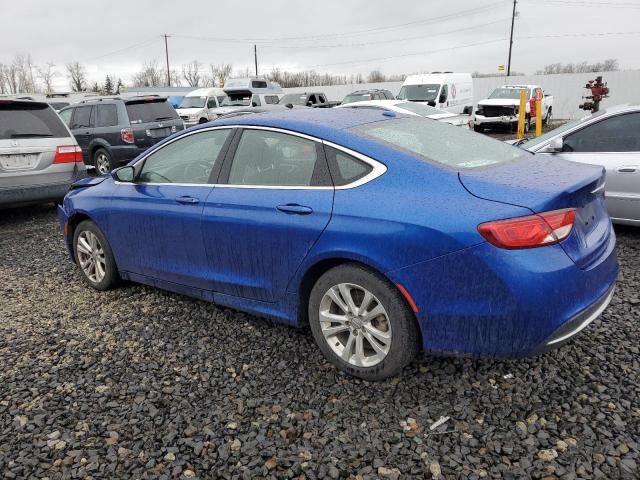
22,75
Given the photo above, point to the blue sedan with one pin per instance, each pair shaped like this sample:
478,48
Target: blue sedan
385,234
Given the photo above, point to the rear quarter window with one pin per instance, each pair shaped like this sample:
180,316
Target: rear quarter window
20,121
441,143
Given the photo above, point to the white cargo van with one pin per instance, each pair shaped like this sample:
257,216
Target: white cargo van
197,106
249,92
449,91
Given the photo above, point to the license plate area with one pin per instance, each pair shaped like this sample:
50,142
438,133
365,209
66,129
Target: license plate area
20,161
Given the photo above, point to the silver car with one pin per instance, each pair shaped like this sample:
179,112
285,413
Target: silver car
610,138
39,157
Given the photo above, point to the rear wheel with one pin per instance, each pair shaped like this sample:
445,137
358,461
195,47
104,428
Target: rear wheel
103,161
478,128
94,257
361,323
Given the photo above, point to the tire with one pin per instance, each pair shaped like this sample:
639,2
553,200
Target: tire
478,128
547,120
202,120
83,247
394,325
103,161
527,124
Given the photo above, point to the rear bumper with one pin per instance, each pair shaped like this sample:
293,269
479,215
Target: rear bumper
575,325
488,302
34,194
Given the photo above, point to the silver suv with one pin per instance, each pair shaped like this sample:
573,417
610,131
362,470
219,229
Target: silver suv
39,157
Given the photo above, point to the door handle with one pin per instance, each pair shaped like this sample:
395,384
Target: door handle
186,200
627,169
295,208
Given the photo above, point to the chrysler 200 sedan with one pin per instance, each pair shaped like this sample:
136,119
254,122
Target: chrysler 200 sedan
386,234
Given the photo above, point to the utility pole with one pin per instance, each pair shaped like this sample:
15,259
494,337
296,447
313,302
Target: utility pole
255,57
166,52
513,21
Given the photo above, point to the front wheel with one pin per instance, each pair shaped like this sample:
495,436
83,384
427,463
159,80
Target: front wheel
94,256
478,128
361,323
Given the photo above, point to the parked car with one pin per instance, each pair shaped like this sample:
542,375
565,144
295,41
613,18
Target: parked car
366,95
414,109
503,105
610,138
317,100
200,105
113,131
448,91
386,235
248,92
39,158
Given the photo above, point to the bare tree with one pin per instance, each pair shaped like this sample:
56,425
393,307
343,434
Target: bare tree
376,76
11,78
608,65
77,76
191,73
47,74
151,75
219,74
22,70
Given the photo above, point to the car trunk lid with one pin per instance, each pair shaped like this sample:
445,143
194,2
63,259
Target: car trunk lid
543,184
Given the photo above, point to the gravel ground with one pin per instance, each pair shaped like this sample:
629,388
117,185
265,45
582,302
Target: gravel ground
140,383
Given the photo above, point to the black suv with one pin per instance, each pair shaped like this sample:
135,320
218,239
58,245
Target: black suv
366,95
112,131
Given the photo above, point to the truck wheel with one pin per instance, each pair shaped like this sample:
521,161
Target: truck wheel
547,120
103,161
527,124
478,128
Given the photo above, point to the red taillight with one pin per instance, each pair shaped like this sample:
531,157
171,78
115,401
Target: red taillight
127,135
68,154
529,232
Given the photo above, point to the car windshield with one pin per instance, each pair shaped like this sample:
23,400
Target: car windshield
18,120
420,109
237,100
441,143
356,97
534,142
150,111
419,93
193,102
293,99
508,93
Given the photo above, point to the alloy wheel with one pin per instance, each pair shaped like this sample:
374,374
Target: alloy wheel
91,256
355,325
102,163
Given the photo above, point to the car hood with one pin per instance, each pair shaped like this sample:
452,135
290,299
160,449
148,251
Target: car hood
188,111
499,101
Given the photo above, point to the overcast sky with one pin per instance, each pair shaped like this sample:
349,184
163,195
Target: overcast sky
337,36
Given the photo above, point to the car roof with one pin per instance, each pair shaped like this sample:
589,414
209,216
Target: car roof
323,123
623,107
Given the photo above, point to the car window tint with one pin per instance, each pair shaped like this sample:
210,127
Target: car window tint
345,168
66,115
441,143
189,159
614,134
145,111
107,116
273,159
81,117
271,99
34,120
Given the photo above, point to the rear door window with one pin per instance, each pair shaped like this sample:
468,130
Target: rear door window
32,121
107,116
150,111
81,117
266,158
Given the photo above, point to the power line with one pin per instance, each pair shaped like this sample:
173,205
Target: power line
562,35
115,52
472,11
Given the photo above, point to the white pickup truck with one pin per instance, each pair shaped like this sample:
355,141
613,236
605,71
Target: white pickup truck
503,105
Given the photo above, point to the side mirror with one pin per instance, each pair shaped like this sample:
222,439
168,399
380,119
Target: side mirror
124,174
556,145
254,104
